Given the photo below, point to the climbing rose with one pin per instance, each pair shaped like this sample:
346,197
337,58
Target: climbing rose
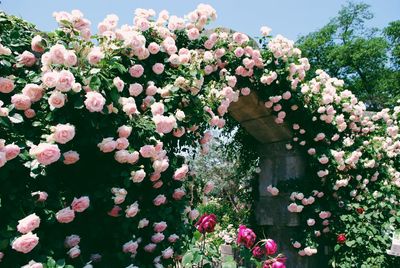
270,247
6,85
26,59
72,241
206,223
136,70
341,239
246,236
65,215
25,243
63,133
45,153
94,101
28,224
33,264
70,157
80,204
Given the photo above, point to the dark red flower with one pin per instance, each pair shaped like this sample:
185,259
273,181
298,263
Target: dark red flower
246,236
258,252
206,223
341,238
360,210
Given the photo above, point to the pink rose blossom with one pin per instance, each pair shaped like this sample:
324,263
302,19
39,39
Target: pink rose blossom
95,55
158,68
34,92
181,172
28,224
42,196
160,226
118,83
107,145
70,157
246,237
80,204
159,200
45,153
138,176
130,247
27,59
21,102
178,194
6,85
36,44
136,70
94,101
153,48
56,99
25,243
65,215
74,252
63,133
132,210
33,264
143,223
114,212
150,247
11,151
124,131
72,241
167,253
147,151
135,89
172,238
157,238
271,247
65,81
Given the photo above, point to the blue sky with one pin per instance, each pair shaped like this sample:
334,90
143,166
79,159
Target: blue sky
290,18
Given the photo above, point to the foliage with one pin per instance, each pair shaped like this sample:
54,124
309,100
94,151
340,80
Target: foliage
348,49
97,121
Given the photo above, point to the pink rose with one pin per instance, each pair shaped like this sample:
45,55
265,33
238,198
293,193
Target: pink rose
160,226
80,204
132,210
25,243
42,196
136,70
27,59
178,194
34,92
150,247
114,212
70,157
11,151
6,85
147,151
74,252
63,133
28,224
158,68
95,55
167,253
36,44
138,176
56,99
153,48
21,102
172,238
157,238
50,79
72,241
70,58
130,247
208,187
107,145
45,153
57,54
135,89
118,83
94,101
194,214
164,124
181,172
122,143
3,159
143,223
121,156
159,200
246,237
65,81
65,215
33,264
124,131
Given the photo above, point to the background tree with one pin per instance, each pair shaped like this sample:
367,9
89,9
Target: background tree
366,58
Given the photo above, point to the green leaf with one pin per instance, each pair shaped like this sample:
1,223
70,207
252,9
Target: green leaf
60,263
350,243
187,258
336,248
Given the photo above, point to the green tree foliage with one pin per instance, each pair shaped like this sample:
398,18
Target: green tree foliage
366,58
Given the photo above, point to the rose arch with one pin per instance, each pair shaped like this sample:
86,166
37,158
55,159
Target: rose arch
90,127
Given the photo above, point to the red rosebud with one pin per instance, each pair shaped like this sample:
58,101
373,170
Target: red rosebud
360,210
258,252
206,223
246,236
341,238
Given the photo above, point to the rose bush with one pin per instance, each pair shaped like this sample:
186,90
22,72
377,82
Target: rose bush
90,127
